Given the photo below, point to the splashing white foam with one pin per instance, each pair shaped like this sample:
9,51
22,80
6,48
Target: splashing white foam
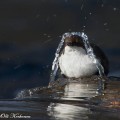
88,48
91,54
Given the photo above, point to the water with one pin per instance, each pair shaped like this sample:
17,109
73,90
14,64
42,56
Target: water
38,110
91,54
29,34
55,62
78,99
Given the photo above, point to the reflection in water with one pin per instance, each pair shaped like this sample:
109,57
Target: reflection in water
80,90
73,91
87,91
67,112
38,110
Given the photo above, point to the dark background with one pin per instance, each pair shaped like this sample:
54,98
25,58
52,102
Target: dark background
30,31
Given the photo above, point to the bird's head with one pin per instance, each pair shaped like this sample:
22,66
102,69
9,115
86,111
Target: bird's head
74,40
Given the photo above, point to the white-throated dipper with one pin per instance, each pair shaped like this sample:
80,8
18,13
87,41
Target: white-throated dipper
74,62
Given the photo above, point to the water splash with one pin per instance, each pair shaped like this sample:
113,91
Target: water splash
55,62
88,48
91,54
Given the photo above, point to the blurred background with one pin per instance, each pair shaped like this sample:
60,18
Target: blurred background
30,31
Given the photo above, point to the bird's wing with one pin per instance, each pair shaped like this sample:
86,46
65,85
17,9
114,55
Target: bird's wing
102,57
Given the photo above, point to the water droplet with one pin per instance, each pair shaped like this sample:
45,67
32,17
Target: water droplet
114,9
90,13
30,93
16,67
48,36
105,23
102,5
82,6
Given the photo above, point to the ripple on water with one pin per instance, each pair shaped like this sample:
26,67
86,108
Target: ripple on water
68,99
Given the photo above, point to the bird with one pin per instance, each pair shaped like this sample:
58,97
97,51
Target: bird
74,61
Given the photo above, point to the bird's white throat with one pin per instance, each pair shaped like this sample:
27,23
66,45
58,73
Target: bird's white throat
75,63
